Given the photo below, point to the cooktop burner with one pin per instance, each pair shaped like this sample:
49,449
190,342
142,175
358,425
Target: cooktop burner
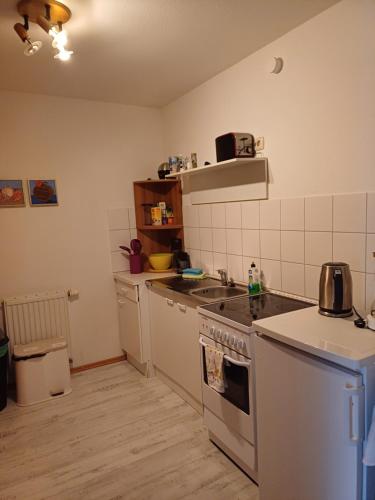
245,310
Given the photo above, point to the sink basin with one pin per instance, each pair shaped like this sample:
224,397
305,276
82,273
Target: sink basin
213,293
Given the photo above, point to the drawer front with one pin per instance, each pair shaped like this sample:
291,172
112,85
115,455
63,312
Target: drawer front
128,291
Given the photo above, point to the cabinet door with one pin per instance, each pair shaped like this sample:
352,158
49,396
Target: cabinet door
130,334
187,336
175,347
310,425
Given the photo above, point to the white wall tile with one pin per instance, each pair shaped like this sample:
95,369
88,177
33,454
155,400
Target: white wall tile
246,264
250,214
205,236
269,214
118,218
132,221
271,274
219,240
250,242
205,219
370,254
235,269
234,241
359,291
218,215
370,292
119,237
207,262
120,262
371,212
187,237
318,248
233,215
312,277
293,246
195,257
319,213
194,241
191,215
270,244
350,248
293,278
293,214
133,234
349,213
220,262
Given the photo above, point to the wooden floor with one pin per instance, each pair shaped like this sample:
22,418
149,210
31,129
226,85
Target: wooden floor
117,436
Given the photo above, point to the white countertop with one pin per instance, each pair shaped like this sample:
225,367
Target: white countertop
333,339
137,279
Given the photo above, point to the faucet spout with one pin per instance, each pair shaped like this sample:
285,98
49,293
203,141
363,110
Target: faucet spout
223,276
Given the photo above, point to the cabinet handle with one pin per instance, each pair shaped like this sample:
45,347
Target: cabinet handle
121,302
181,307
169,302
125,291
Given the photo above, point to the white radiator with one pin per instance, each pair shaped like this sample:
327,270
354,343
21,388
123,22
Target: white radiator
37,316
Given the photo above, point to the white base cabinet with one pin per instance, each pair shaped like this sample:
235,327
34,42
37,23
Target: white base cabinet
175,346
133,309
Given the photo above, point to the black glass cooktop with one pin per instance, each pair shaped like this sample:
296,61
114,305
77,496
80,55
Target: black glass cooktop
245,310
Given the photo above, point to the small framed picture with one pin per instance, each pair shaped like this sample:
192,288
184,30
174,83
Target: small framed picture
42,192
11,193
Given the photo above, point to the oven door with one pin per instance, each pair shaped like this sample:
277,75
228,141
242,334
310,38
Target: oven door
235,406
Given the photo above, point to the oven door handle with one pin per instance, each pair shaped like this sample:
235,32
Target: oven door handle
236,362
226,357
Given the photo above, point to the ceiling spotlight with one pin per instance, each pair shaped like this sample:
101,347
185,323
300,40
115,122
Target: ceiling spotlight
50,15
32,47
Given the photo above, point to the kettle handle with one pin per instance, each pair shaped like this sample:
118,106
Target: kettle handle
338,290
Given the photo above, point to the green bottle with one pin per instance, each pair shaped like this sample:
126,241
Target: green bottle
254,287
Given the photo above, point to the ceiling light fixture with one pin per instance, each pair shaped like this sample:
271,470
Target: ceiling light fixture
50,15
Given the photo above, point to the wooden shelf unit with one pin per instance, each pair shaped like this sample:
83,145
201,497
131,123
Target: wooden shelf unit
158,238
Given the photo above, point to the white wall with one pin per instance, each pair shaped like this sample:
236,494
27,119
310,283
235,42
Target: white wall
94,151
318,118
317,115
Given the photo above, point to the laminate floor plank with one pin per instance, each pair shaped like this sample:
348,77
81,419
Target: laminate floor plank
117,436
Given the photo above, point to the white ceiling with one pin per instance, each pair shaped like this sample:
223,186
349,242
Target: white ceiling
145,52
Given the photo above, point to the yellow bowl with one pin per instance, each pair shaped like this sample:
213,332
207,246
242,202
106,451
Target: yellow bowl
160,261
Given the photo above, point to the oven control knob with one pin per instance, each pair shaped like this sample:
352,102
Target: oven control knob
235,343
218,334
225,337
212,330
232,340
240,344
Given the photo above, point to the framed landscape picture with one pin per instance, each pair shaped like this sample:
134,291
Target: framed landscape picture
11,193
42,192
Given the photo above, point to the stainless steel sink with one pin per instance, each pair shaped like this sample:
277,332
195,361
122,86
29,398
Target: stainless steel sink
214,293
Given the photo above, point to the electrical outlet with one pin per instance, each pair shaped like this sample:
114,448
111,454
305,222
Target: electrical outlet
259,143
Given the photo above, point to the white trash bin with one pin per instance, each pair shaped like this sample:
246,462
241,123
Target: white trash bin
42,371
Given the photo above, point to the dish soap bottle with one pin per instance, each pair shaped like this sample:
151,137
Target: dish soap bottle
254,281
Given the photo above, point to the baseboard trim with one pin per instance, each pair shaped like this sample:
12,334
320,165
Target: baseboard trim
103,362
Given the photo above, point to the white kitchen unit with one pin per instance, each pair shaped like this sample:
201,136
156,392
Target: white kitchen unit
134,319
315,391
175,347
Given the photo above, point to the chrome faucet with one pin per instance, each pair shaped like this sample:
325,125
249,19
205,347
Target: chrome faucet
224,278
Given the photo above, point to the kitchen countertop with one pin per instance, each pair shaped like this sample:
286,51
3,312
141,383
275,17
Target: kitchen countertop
137,279
334,339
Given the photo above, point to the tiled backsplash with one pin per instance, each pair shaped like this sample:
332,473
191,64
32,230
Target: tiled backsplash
121,229
288,239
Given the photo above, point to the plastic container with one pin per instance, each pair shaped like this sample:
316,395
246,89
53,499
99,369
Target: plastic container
3,370
136,265
42,371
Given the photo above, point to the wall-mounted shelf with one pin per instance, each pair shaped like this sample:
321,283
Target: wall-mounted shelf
235,162
159,228
238,179
157,239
